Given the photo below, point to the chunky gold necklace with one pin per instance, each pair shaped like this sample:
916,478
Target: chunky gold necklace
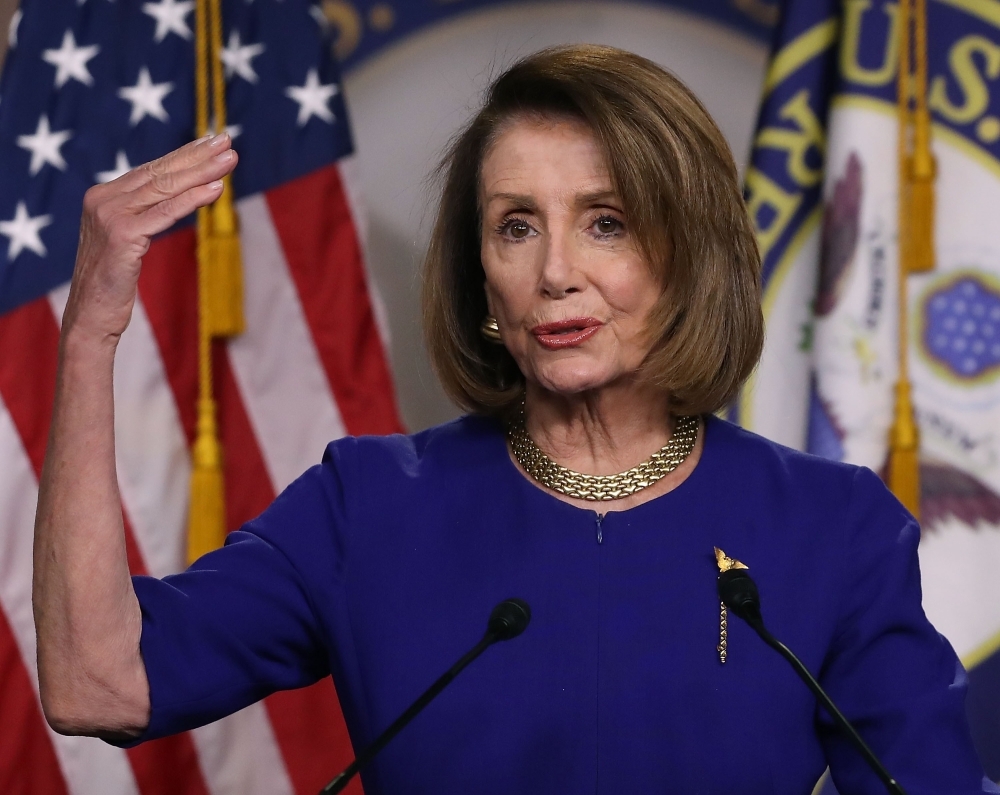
601,487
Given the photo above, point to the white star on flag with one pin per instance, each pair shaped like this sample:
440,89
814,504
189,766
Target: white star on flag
170,17
44,146
121,167
146,98
232,129
237,57
71,61
312,98
23,231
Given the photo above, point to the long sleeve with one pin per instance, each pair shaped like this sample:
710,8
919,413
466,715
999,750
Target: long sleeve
242,621
381,565
888,670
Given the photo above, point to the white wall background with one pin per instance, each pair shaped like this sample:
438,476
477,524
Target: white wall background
406,103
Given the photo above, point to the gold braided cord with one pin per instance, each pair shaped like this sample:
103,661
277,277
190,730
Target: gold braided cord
218,81
203,218
915,236
601,487
206,513
921,166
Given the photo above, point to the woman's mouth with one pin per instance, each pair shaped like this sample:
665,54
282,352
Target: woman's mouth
566,333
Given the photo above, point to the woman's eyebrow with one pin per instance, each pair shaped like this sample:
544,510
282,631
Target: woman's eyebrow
597,197
581,199
519,199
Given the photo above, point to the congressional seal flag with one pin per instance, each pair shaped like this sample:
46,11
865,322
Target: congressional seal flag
875,188
253,342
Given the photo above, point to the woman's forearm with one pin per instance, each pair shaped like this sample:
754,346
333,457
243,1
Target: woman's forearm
92,679
91,675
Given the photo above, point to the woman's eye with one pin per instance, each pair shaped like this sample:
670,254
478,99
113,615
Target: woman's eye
516,228
606,225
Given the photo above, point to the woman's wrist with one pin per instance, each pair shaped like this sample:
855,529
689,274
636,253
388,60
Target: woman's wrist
78,342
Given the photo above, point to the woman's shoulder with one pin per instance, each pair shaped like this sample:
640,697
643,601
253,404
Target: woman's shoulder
763,465
463,442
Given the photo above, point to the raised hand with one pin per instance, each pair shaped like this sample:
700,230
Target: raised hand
91,675
119,220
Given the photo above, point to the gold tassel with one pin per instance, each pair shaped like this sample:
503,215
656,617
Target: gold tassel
920,186
225,283
225,271
904,452
207,512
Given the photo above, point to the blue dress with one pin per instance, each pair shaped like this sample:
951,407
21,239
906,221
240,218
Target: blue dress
381,566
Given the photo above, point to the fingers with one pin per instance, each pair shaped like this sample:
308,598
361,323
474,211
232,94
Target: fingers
162,191
179,159
164,214
173,181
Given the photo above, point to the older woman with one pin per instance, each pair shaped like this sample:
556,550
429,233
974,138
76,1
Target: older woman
591,296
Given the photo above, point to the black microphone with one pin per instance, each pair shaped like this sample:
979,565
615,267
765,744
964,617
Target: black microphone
740,595
508,620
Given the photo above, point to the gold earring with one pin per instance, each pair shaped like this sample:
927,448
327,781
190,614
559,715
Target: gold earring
490,330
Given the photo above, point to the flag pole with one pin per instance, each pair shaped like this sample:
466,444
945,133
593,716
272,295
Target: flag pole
915,236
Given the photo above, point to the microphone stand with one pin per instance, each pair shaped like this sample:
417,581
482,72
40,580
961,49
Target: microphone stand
383,739
509,618
739,593
891,785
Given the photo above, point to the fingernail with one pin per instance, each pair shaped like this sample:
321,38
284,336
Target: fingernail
203,138
218,139
217,185
224,157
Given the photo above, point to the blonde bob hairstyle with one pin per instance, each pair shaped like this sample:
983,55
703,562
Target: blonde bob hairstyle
677,182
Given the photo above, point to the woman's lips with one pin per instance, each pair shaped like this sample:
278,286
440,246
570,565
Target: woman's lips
566,333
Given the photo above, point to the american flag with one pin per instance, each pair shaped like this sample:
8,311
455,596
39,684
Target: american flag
91,88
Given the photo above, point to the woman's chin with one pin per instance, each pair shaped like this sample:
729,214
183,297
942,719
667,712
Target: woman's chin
567,381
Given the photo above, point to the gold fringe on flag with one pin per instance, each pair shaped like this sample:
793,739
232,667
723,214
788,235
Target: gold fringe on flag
220,295
916,236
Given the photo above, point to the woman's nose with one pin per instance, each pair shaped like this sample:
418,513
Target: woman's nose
560,276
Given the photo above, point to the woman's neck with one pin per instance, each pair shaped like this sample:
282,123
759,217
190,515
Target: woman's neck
606,432
601,432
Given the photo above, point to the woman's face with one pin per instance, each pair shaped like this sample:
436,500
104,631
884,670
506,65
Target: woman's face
565,280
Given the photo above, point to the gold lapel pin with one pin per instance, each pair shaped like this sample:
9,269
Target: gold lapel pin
725,563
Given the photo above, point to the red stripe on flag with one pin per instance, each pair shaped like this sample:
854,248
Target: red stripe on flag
168,766
29,337
28,764
168,285
312,735
311,215
308,724
248,488
29,340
